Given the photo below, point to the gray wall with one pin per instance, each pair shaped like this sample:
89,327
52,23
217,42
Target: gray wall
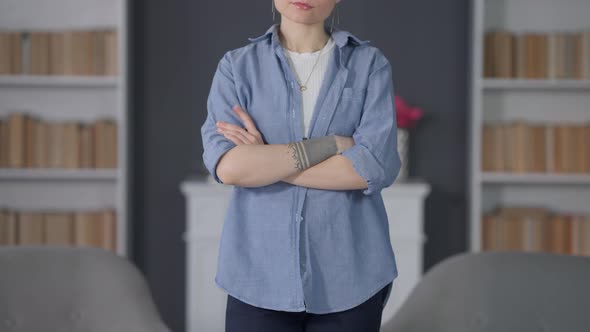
175,48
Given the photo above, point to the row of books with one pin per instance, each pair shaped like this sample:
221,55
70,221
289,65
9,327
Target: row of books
535,229
71,52
27,141
537,55
96,228
518,146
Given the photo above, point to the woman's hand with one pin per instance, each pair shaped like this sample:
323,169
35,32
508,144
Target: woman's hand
237,134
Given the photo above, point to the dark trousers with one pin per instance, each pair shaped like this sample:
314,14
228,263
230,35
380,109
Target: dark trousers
243,317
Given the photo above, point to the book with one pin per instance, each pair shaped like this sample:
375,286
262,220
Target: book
538,148
111,52
10,52
105,134
520,147
583,243
5,54
57,53
8,226
30,228
55,143
585,51
560,231
550,148
39,53
95,229
537,55
4,143
487,143
29,141
541,56
41,146
58,228
71,141
535,229
580,149
87,146
499,157
520,55
109,222
498,59
16,139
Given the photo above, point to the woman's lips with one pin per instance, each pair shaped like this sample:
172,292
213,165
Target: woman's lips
302,5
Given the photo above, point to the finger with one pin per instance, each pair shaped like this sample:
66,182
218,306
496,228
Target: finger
236,139
233,140
252,139
243,134
229,126
237,130
248,123
251,136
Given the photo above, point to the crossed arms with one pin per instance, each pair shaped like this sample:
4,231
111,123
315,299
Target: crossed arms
251,163
370,162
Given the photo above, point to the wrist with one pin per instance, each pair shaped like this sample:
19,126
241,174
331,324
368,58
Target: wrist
309,152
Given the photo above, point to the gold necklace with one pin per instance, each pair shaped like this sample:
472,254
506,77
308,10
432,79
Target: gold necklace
303,87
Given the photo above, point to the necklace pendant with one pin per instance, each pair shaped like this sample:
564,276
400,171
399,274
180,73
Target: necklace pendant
302,87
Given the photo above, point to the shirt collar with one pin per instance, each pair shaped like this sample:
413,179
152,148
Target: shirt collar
340,37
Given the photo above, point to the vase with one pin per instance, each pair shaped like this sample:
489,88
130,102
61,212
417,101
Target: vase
403,141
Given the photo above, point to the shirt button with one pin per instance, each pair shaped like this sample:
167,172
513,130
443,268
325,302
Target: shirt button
299,219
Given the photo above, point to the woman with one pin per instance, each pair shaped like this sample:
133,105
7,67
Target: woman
301,123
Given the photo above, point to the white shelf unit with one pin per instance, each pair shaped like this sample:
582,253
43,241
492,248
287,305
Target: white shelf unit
69,98
521,84
30,81
535,100
40,174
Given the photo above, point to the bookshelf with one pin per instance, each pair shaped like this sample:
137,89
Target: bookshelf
69,95
550,100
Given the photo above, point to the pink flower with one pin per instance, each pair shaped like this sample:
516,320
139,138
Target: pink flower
406,115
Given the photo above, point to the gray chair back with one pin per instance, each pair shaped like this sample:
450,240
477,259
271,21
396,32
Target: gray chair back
75,289
499,292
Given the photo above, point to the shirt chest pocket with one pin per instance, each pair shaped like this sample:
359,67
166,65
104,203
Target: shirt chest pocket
348,112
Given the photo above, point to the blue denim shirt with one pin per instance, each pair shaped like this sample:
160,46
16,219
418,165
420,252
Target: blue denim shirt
293,248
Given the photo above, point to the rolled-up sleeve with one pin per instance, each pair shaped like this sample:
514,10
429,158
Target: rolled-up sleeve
222,97
374,155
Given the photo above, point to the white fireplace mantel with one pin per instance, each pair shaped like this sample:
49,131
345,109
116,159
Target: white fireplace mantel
206,205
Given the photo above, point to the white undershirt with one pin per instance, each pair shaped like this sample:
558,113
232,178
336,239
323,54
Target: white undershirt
302,64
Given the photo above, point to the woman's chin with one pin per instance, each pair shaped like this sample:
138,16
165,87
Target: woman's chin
302,18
